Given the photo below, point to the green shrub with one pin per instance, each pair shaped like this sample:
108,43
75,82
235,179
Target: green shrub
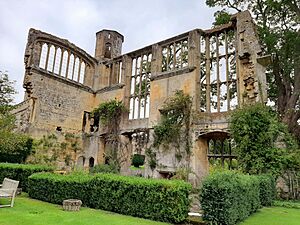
20,172
14,148
162,200
104,168
267,190
228,197
138,160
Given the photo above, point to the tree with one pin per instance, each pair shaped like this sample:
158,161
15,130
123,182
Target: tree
13,147
262,143
278,27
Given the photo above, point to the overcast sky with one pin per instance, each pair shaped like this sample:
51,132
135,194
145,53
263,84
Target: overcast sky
142,22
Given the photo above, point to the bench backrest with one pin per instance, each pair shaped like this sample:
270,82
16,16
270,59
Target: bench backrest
10,184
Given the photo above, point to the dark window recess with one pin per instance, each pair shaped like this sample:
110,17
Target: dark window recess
59,129
220,153
107,53
94,122
91,162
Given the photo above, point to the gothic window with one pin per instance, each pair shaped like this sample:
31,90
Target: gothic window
218,84
220,152
175,55
140,87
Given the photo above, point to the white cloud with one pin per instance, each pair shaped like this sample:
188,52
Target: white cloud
141,22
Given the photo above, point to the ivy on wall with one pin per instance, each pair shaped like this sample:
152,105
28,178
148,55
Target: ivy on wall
110,115
173,130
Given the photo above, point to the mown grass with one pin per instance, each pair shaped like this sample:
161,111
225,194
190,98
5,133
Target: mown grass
33,212
274,216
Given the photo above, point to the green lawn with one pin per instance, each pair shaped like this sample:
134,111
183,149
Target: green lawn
274,216
33,212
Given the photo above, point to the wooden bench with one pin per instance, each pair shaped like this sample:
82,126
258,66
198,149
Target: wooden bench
8,189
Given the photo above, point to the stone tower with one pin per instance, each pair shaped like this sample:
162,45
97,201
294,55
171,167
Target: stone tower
108,44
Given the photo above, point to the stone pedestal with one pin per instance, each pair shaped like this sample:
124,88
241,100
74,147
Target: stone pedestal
72,204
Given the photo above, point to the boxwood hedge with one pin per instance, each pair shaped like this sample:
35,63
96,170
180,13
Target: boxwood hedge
228,197
154,199
21,172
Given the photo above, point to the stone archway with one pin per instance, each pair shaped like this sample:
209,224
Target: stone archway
80,162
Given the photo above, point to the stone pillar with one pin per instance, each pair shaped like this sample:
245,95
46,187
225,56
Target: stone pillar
251,75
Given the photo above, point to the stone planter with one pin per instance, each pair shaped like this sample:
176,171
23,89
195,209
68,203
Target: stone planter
72,204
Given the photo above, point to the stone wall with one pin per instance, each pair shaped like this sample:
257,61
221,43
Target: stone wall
220,69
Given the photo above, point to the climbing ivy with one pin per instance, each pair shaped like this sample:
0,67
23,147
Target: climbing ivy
110,115
174,126
173,130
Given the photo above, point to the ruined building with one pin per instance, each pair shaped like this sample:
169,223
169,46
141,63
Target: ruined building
220,69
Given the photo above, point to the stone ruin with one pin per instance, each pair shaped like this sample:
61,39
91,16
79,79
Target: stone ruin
220,68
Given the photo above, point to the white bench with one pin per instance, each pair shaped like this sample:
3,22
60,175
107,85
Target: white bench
8,189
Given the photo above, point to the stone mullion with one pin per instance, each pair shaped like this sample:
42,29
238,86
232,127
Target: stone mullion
74,62
227,72
68,61
140,87
61,61
47,57
218,74
41,51
174,55
79,70
207,64
54,59
134,91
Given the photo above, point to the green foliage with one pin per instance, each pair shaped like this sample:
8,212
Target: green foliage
174,126
20,172
6,89
228,197
267,189
255,130
147,198
14,148
138,160
288,204
109,111
221,17
104,168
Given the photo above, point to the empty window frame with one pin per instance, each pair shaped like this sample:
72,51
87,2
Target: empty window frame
62,62
175,55
220,153
140,87
115,76
218,83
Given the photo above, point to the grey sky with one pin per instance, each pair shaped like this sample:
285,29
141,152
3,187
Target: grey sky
142,22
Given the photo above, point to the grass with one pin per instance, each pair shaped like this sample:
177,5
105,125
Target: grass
33,212
274,216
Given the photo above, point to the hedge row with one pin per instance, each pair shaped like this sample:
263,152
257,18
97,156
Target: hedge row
228,197
20,172
162,200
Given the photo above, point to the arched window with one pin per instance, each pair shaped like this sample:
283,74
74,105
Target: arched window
107,53
64,63
51,58
43,56
82,73
91,162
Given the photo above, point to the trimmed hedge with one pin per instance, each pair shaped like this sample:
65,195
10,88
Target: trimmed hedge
228,197
21,172
267,190
162,200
